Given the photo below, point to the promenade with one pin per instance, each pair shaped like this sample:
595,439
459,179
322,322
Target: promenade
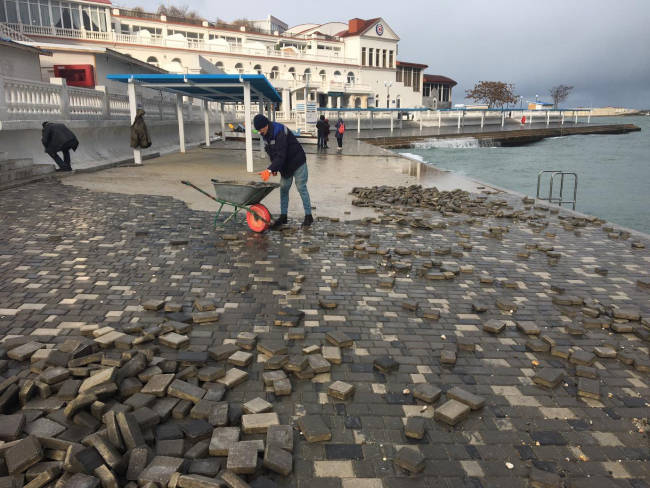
466,339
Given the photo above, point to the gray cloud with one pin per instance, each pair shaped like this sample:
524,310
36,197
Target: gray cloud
600,47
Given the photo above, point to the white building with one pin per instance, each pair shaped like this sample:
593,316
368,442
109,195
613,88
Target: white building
351,64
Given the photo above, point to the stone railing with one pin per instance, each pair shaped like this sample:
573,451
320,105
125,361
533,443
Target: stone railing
35,100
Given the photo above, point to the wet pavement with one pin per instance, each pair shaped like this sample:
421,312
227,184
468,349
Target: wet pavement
541,318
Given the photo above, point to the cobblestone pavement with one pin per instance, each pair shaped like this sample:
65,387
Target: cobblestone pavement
550,292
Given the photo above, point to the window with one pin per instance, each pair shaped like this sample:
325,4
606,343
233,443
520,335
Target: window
377,100
177,60
292,72
377,53
12,15
258,69
3,17
56,13
307,75
45,14
351,77
390,59
383,58
426,90
370,56
363,56
24,11
398,75
152,59
275,71
323,75
239,68
337,75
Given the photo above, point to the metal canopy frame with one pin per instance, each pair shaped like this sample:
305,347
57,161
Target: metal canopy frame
209,88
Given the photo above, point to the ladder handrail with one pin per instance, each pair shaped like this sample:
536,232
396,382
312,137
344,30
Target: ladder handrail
559,200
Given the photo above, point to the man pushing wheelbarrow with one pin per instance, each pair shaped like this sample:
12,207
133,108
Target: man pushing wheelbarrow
287,158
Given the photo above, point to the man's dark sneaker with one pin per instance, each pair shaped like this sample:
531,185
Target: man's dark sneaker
279,222
308,220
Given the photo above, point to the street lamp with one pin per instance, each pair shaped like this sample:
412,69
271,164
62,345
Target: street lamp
536,97
388,84
521,102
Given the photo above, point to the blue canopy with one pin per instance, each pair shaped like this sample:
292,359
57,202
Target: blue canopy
218,88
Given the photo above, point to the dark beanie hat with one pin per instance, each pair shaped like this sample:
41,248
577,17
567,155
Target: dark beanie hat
260,121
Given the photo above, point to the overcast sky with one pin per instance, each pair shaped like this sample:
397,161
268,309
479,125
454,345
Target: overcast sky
600,47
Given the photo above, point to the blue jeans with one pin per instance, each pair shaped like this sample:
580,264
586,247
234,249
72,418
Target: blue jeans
301,175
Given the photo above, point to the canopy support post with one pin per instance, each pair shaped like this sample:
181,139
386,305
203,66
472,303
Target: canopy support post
181,127
223,121
137,155
206,120
248,127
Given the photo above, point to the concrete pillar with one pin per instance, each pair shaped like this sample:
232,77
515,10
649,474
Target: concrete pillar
137,157
358,122
181,126
548,117
503,119
261,110
562,114
206,121
459,115
575,112
286,104
223,121
372,121
482,119
190,106
589,117
391,121
420,114
248,126
3,99
530,119
439,119
106,110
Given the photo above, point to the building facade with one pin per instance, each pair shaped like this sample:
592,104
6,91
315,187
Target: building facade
336,64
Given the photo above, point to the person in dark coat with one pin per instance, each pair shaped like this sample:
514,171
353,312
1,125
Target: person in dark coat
288,158
327,132
139,133
58,138
323,128
340,130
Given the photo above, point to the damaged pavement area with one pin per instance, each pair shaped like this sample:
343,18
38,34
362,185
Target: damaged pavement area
454,339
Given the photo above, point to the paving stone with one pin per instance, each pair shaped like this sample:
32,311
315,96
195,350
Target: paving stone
561,352
494,326
205,317
429,313
586,372
278,460
414,427
366,270
171,447
272,348
11,426
232,480
339,339
527,327
233,378
385,364
466,344
296,363
276,362
223,351
23,454
311,349
240,358
258,423
627,313
174,340
282,387
257,405
25,351
185,391
81,480
130,430
204,304
280,436
340,390
548,377
202,409
314,429
543,479
426,392
474,401
318,363
242,457
605,352
211,373
332,354
153,304
270,376
451,412
160,470
42,427
223,438
410,460
158,384
101,377
506,305
622,327
589,388
537,345
447,356
581,357
219,415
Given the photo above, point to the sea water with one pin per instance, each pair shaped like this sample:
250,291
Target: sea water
613,170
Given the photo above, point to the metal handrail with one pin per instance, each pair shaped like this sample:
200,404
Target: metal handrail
559,200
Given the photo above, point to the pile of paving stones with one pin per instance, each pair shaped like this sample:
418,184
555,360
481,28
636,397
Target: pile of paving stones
136,407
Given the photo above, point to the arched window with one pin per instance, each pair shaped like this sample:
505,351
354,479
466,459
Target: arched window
258,69
275,71
292,72
177,60
351,77
307,74
323,75
240,68
357,103
152,59
219,65
337,73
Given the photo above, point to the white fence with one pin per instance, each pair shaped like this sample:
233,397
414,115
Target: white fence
35,100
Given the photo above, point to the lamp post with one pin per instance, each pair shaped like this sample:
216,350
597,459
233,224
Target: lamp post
388,84
521,102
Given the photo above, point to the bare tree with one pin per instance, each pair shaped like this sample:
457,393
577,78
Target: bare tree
559,93
493,93
177,11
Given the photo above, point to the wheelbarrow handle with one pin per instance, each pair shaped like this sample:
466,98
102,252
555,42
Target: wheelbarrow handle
199,190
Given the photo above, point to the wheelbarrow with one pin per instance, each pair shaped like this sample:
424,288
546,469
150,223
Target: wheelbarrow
241,197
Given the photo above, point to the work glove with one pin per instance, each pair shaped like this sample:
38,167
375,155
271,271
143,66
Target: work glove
265,175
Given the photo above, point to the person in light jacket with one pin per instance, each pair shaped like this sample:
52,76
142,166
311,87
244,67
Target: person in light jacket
58,138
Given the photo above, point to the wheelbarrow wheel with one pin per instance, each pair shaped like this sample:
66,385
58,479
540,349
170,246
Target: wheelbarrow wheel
259,219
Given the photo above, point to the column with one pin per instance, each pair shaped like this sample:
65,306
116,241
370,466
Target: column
482,119
248,126
358,122
206,121
181,126
261,110
286,104
137,157
223,121
3,99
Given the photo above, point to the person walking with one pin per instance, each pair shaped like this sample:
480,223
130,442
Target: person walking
287,158
327,133
340,130
322,128
58,138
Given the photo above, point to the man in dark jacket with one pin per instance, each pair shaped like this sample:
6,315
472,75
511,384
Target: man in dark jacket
58,138
288,158
323,127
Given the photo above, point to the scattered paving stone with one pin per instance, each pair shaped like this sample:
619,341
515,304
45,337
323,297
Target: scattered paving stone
224,351
543,479
537,345
451,412
314,429
278,460
158,384
410,460
240,358
627,313
548,377
447,356
426,392
160,470
605,352
223,438
204,305
506,305
258,423
25,351
280,436
414,427
153,304
272,348
296,363
242,457
332,354
185,391
174,340
233,377
586,372
528,327
257,405
12,425
276,362
385,364
479,307
282,387
205,317
589,388
466,344
340,390
24,454
494,326
366,270
581,357
318,363
339,339
474,401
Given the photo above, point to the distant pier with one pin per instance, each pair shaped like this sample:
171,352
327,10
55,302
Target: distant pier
513,137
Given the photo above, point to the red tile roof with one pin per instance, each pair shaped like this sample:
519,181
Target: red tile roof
439,79
412,65
362,27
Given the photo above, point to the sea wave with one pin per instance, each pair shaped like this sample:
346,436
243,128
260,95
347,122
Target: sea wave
454,143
